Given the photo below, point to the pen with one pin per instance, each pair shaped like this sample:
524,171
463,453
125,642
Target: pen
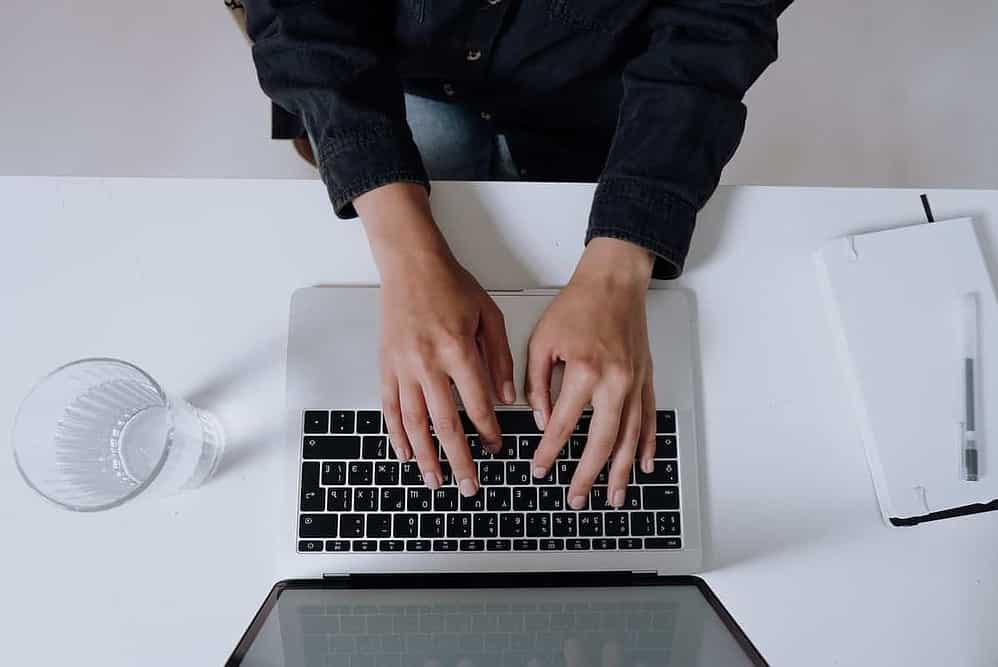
970,379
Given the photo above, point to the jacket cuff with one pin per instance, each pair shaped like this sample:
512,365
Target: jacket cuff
645,215
356,160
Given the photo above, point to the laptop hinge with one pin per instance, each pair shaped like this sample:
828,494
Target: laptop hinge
335,575
633,574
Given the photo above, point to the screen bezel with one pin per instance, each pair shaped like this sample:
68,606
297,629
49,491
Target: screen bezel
475,580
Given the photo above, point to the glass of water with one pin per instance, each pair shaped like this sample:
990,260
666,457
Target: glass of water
98,432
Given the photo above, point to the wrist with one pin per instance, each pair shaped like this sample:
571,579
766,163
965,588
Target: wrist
616,262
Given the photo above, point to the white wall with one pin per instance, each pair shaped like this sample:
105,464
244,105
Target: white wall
884,92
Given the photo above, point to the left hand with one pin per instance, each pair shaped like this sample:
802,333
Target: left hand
598,328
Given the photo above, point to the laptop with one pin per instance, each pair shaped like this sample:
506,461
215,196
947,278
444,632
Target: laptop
365,536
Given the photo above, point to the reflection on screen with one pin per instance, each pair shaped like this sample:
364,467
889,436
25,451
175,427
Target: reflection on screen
597,627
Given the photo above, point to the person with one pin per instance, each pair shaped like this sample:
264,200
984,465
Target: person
643,96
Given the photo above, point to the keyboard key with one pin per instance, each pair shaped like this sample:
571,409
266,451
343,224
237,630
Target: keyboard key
334,473
629,543
591,524
604,543
445,499
458,525
663,543
316,421
432,525
411,475
616,523
417,545
528,445
546,479
360,472
392,545
565,471
665,446
661,497
419,499
524,545
508,449
365,545
374,447
472,545
337,545
369,421
475,503
317,525
341,421
487,525
667,523
386,473
582,426
445,545
365,499
564,524
632,499
312,497
351,525
575,446
498,499
466,423
406,525
598,499
664,472
491,473
310,545
518,473
603,476
379,525
498,545
538,525
517,422
665,421
339,500
477,449
552,545
525,498
578,544
511,525
384,425
552,498
341,447
642,523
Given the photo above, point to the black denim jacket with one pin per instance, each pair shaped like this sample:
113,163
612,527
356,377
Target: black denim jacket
643,95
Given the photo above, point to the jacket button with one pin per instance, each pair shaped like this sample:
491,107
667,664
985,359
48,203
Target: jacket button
472,55
448,90
486,115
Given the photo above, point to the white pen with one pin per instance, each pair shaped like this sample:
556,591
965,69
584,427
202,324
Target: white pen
969,460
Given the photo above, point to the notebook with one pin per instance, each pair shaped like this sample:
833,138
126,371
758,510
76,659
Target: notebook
896,301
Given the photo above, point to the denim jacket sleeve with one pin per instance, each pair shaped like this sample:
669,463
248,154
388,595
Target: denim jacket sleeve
680,121
333,64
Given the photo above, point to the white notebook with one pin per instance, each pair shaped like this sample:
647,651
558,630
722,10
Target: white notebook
896,300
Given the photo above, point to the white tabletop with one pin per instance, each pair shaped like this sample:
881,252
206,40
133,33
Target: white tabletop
191,280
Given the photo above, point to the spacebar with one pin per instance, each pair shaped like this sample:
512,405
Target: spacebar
516,421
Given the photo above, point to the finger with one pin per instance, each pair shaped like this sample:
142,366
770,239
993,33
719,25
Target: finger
572,650
417,427
473,385
608,402
447,426
646,446
612,655
393,417
576,391
537,384
495,345
624,449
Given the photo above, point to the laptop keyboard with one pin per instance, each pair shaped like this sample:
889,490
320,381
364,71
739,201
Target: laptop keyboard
355,495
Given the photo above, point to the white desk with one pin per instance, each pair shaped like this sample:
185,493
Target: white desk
191,280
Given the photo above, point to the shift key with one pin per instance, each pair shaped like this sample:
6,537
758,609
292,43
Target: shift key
331,447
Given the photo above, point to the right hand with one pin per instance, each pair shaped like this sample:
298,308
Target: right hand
438,327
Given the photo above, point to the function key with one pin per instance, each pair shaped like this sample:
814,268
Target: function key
552,545
365,545
498,545
368,421
375,446
663,543
337,545
331,447
665,446
629,543
472,545
310,545
665,421
604,543
392,545
316,421
664,472
417,545
661,497
445,545
516,422
578,544
341,421
524,545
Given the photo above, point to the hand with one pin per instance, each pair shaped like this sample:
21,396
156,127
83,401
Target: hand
597,327
437,324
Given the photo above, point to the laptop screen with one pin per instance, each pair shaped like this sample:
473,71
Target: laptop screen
489,627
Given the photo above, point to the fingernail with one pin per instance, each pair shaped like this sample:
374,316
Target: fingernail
540,471
493,447
539,419
618,498
430,479
647,466
508,392
577,502
468,486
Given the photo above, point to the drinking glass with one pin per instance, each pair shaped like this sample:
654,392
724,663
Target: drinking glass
96,433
